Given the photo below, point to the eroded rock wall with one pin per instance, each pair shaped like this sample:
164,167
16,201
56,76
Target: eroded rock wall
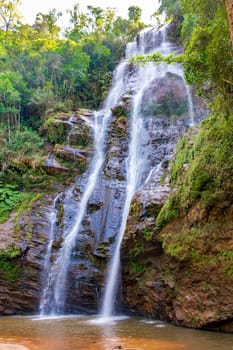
183,273
22,257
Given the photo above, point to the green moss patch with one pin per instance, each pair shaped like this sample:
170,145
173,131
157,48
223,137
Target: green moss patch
9,265
202,169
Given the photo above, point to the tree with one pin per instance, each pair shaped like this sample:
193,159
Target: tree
9,13
171,7
79,21
134,13
97,16
74,70
229,6
46,24
9,104
204,33
110,14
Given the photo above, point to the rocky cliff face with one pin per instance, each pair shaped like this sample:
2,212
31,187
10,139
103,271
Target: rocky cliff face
101,223
182,273
21,257
24,237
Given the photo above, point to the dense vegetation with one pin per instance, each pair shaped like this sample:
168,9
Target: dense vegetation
202,169
203,164
45,71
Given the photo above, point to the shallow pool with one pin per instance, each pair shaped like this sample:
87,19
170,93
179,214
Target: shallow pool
93,333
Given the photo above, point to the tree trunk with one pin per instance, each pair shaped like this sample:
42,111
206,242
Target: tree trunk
229,6
9,127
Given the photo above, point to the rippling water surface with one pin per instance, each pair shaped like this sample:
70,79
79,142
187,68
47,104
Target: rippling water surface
92,333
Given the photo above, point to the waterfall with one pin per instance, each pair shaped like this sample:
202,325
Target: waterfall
47,260
136,161
135,82
54,292
190,105
70,122
63,260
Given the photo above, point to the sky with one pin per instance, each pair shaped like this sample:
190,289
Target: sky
30,8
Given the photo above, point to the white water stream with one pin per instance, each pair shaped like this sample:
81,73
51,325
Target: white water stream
54,292
53,301
47,260
63,260
136,161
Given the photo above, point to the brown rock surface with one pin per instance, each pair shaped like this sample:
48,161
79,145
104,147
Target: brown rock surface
189,282
22,259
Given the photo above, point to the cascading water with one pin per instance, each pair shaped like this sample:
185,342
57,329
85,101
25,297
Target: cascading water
136,161
190,105
54,292
47,260
99,128
136,169
58,273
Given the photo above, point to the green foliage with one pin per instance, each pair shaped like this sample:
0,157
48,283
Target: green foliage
55,131
8,264
135,210
171,7
9,103
168,212
205,35
25,142
24,147
138,268
10,199
147,234
157,58
197,245
202,168
121,112
28,200
134,13
183,245
136,250
41,73
46,25
21,162
188,25
9,14
210,166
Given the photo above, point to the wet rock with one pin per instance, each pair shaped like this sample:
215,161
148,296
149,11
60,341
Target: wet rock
20,279
70,153
53,167
167,96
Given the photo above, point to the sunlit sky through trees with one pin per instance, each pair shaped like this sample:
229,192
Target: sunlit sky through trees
30,8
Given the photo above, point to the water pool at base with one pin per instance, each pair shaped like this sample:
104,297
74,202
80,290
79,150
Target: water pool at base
93,333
